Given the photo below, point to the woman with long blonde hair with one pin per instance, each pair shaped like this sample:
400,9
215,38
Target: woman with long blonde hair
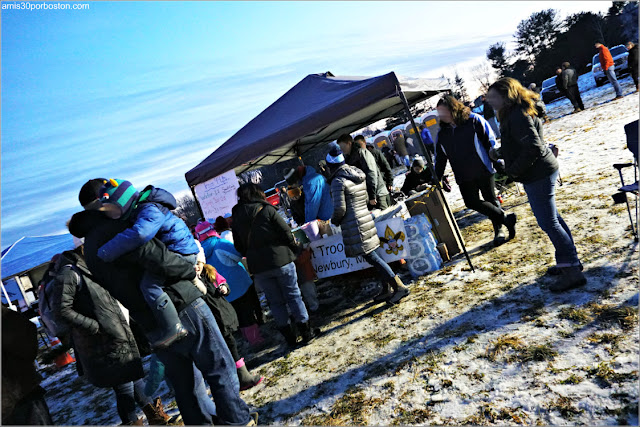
465,139
530,161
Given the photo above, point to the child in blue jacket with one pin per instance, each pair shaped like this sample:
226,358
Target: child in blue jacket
150,214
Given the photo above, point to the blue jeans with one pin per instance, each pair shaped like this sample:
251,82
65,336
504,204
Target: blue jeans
379,264
542,199
611,75
280,286
205,347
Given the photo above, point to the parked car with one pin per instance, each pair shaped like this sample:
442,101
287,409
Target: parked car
549,90
620,56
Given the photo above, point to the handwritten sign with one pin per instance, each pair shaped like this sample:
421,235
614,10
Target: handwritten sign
328,258
218,195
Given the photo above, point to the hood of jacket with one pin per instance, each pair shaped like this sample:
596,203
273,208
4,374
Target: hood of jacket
251,208
351,173
158,195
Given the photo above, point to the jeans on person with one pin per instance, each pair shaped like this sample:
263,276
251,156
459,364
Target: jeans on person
490,206
127,395
280,286
205,347
406,161
379,264
611,75
542,199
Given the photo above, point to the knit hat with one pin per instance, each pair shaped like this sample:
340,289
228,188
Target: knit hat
120,193
335,156
417,162
204,230
221,224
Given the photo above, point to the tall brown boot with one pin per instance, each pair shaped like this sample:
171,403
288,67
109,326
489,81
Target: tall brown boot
155,413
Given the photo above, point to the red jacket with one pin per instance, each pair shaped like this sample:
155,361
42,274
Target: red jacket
606,60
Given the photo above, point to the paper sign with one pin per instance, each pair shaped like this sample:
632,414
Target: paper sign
218,195
328,259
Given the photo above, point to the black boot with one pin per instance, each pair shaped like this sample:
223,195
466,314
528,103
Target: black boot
498,234
289,336
307,333
510,223
170,328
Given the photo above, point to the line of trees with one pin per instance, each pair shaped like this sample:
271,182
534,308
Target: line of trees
543,41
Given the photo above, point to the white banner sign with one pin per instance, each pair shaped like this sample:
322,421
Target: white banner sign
328,257
218,195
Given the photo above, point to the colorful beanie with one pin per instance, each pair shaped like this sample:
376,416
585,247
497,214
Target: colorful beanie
335,156
204,230
119,192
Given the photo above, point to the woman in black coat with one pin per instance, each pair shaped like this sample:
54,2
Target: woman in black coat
104,346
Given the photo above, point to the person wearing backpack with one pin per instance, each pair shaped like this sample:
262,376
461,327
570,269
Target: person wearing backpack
264,238
465,139
104,345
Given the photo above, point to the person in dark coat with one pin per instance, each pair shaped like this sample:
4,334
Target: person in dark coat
418,178
23,400
359,234
465,139
362,159
203,345
529,160
400,145
264,238
570,82
632,61
381,161
560,82
104,345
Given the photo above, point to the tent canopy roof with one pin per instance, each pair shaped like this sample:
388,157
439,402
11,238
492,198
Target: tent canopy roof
30,252
316,111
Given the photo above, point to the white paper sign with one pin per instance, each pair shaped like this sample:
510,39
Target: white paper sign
218,195
328,259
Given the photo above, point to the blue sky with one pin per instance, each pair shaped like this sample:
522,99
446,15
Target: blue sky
145,90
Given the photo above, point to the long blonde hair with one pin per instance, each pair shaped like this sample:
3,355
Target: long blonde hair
515,95
210,273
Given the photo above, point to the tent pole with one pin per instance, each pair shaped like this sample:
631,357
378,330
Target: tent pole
193,191
433,174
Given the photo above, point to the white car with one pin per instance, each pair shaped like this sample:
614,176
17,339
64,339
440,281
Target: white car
620,55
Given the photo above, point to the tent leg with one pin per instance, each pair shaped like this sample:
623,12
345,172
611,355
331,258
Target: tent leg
433,173
193,191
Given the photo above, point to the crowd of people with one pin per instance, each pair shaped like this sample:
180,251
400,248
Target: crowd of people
188,290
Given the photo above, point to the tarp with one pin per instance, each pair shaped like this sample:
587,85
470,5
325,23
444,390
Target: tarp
30,252
315,111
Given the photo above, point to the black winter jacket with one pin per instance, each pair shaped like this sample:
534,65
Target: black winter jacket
526,156
222,310
560,84
413,180
383,166
633,59
103,343
122,277
272,244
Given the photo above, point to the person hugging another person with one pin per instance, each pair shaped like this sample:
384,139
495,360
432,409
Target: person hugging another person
359,234
149,214
465,139
530,161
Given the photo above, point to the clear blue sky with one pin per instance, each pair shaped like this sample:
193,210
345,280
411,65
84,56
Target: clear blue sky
145,90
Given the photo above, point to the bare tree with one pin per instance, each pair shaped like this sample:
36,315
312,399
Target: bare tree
484,75
188,210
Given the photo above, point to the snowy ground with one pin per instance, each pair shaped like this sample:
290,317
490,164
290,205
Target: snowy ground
492,346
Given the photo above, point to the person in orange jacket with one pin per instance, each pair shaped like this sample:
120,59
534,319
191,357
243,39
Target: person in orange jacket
609,68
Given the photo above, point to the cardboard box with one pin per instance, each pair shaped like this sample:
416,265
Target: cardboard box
430,203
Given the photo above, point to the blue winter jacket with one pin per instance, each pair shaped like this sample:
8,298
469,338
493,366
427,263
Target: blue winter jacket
317,196
152,218
426,137
221,254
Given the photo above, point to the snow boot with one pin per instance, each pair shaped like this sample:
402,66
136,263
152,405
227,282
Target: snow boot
289,335
307,333
570,278
384,293
252,334
155,413
510,223
170,327
554,270
247,380
400,290
499,237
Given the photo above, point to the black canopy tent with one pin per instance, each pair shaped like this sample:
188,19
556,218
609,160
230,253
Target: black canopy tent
316,111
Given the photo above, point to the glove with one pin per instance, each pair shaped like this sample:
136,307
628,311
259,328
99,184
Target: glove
198,284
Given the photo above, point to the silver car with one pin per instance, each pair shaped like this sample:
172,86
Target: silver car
620,55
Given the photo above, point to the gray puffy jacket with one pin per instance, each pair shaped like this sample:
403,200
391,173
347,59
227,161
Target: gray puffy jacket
349,194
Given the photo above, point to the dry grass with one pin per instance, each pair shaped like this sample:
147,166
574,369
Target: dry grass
565,406
503,343
352,408
414,416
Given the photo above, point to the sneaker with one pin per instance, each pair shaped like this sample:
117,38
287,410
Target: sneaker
569,278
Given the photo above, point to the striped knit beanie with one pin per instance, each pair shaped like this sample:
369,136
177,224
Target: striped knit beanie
119,192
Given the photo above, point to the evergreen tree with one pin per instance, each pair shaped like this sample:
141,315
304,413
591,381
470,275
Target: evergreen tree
537,33
497,56
459,90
